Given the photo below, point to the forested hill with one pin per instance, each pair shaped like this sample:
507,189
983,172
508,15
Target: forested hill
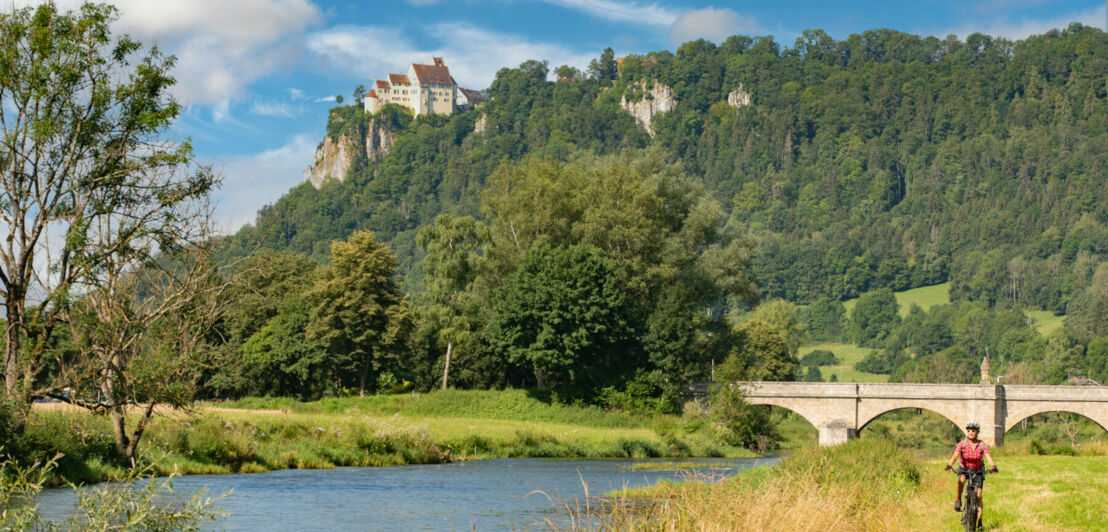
881,160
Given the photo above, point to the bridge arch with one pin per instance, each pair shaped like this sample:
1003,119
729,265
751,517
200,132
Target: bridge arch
808,414
1012,421
862,424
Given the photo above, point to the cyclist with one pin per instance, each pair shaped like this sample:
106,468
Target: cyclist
971,451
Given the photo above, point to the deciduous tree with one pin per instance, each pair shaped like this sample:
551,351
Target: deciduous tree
563,316
358,310
88,175
453,246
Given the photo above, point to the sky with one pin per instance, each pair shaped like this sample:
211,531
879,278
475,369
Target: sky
257,77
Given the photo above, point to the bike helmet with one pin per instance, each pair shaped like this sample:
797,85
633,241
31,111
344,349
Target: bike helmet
972,425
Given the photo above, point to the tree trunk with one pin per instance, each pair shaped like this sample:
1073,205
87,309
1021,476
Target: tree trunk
362,378
12,345
119,422
446,369
132,445
119,436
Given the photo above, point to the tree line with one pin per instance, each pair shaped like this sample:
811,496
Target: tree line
563,249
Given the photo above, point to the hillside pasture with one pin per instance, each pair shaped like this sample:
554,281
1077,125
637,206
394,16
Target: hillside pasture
924,296
848,355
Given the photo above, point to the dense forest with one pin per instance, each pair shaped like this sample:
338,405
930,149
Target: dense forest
562,245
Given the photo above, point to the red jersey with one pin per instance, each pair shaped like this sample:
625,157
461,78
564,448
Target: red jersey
972,453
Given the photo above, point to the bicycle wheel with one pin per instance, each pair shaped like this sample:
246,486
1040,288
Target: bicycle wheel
969,511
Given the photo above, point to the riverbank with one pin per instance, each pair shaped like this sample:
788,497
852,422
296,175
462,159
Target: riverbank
871,485
257,435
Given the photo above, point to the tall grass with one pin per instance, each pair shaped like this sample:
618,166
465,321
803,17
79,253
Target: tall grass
377,431
856,486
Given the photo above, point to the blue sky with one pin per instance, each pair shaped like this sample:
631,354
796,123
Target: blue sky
257,76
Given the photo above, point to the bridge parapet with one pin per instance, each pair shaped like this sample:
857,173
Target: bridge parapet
840,410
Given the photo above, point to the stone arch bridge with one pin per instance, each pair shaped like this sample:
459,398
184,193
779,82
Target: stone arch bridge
840,409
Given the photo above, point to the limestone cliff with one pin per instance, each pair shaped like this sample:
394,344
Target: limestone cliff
332,158
738,97
655,100
482,124
335,154
378,139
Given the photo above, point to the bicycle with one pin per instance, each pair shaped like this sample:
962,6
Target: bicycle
975,478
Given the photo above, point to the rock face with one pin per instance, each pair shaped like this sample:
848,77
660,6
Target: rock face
332,158
657,100
482,124
738,97
378,140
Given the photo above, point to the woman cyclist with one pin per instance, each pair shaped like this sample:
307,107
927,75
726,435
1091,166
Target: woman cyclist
970,452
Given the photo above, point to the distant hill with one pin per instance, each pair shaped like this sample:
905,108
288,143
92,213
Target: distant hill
881,160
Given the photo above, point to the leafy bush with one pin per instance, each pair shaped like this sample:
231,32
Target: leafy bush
643,394
882,362
129,505
819,357
740,423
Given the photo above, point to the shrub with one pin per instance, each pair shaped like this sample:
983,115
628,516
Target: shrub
740,423
819,357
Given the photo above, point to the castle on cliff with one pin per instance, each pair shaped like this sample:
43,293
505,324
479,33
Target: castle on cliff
426,89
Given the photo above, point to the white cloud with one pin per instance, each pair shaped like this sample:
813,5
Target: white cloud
621,11
1016,29
715,25
221,111
325,99
296,94
221,46
253,180
473,54
263,108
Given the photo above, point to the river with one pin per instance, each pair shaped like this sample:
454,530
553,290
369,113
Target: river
479,495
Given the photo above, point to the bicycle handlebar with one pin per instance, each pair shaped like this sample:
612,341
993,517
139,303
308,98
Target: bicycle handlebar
960,470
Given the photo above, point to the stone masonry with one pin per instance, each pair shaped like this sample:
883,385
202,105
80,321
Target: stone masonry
839,410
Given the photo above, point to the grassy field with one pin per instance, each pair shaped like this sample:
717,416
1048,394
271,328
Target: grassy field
925,296
848,355
265,434
871,485
1045,321
1032,493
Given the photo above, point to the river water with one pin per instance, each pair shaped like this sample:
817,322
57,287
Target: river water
479,495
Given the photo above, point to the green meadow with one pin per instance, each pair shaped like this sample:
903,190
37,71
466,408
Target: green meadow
925,297
261,434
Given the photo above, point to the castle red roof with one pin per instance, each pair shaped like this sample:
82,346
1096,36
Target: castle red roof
371,94
472,95
399,78
433,74
381,84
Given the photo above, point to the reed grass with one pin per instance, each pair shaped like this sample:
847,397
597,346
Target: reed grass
380,431
864,485
857,486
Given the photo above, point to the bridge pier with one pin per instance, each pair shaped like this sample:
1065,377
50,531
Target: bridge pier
835,432
839,410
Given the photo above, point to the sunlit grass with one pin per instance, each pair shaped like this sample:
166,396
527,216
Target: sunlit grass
924,296
864,485
382,431
1031,493
1045,321
848,355
856,486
